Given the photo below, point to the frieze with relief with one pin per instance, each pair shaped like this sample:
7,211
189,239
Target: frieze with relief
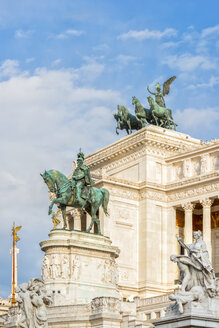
153,195
193,192
124,193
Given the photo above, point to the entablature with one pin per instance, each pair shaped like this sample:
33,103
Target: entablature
167,193
163,141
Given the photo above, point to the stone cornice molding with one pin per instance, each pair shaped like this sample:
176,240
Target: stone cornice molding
193,181
159,192
181,185
158,138
204,150
207,202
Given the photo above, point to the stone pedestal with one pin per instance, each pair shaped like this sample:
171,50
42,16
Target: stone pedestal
79,266
188,321
105,312
196,315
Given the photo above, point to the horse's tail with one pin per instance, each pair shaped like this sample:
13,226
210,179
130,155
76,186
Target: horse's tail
105,201
170,113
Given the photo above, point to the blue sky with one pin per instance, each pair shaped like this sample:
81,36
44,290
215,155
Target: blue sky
64,67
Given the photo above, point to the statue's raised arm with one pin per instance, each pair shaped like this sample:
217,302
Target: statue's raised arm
152,93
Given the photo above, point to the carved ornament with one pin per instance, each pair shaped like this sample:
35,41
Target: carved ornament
105,304
207,202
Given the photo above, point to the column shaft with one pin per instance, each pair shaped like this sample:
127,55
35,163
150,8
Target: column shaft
188,207
206,203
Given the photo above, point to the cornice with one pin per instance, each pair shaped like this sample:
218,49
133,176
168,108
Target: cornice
191,182
207,178
206,148
170,142
208,185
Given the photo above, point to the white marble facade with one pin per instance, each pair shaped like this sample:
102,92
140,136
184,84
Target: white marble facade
151,175
161,183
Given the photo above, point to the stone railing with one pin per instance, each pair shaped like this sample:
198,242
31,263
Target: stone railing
152,300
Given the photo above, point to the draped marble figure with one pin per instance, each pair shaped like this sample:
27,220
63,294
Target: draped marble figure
197,276
32,302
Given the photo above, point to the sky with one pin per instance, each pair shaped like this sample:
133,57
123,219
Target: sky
64,68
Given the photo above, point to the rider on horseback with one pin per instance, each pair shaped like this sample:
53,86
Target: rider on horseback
80,179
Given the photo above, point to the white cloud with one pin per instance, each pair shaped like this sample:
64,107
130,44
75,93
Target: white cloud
214,80
152,84
188,62
148,34
56,62
69,33
101,47
9,68
194,119
90,71
125,59
21,34
47,117
170,44
30,60
214,30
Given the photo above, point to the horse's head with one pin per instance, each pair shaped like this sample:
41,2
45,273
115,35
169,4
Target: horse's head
49,181
117,117
150,100
134,100
119,109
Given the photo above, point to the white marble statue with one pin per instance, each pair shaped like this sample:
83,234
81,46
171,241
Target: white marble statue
183,297
197,276
32,302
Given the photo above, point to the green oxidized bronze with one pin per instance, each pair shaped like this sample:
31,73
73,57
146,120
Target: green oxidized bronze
159,95
157,114
125,120
77,192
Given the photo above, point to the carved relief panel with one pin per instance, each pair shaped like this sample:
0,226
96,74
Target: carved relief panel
196,166
76,268
215,161
110,272
178,169
56,266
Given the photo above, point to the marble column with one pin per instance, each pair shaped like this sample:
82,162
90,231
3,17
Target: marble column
206,203
188,208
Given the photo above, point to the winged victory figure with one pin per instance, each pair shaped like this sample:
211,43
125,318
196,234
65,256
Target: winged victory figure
159,95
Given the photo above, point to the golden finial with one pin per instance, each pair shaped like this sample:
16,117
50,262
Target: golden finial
14,233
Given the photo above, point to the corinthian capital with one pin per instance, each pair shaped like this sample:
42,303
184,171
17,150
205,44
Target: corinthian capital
207,202
188,206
